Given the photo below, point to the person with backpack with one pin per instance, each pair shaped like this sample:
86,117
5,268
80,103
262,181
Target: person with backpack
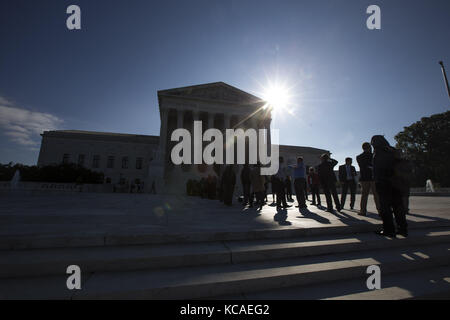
387,172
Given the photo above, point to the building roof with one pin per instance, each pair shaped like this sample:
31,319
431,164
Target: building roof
217,91
105,136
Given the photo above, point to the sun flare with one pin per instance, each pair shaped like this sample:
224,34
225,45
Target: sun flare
277,97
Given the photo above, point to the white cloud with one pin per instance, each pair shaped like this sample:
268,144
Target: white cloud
24,126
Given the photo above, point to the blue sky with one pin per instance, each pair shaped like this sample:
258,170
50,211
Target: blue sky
347,82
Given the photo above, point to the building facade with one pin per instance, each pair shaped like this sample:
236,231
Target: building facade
124,159
128,159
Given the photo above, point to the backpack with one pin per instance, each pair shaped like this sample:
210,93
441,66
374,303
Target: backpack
401,172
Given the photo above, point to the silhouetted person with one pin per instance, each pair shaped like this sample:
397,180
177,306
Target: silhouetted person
246,184
314,184
258,185
272,188
266,188
366,181
299,175
306,188
278,182
288,186
228,184
327,178
389,192
211,190
153,188
347,175
203,188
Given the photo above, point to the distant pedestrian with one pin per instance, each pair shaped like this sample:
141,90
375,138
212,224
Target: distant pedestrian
153,188
347,176
386,165
299,176
246,184
272,188
288,186
279,185
258,185
314,185
228,184
366,181
327,178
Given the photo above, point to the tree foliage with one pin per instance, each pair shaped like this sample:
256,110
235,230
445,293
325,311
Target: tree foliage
63,173
427,144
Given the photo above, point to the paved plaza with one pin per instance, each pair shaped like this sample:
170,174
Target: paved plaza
141,246
40,214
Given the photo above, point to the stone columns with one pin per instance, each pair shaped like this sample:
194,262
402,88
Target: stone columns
180,119
210,120
227,121
163,133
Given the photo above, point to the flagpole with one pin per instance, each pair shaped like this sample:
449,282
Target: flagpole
445,77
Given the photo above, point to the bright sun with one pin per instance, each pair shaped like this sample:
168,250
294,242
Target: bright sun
277,97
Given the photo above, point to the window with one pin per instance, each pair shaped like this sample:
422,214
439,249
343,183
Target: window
81,160
108,180
125,163
96,162
66,158
110,163
139,162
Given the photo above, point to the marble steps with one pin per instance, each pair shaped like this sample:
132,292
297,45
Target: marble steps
427,283
25,242
40,262
230,279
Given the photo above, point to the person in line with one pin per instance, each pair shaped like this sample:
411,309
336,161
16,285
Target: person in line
258,185
347,175
314,183
153,188
288,186
246,184
278,184
386,165
327,178
212,182
266,188
366,178
306,188
228,184
273,189
299,176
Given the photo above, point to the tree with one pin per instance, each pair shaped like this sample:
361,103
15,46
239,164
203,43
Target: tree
427,144
63,173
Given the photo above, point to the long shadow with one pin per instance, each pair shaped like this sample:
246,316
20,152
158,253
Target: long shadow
281,217
342,215
426,217
311,215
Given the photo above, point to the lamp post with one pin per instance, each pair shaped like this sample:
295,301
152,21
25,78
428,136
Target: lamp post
445,77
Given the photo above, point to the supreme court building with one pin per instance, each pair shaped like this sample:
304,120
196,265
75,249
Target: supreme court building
145,160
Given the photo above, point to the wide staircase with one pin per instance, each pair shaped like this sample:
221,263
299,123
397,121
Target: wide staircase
319,263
